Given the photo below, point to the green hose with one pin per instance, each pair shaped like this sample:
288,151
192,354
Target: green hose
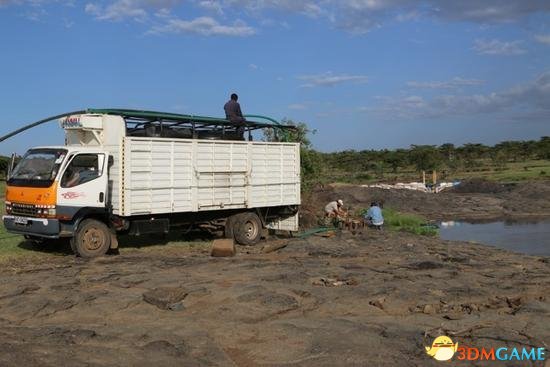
283,132
314,231
40,122
144,114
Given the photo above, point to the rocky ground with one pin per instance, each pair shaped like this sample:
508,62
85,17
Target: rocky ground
375,298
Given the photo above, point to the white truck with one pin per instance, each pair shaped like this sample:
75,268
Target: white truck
136,172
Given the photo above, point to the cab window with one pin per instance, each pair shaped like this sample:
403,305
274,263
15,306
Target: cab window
83,168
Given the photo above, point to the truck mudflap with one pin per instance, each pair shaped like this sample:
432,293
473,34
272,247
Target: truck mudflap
40,227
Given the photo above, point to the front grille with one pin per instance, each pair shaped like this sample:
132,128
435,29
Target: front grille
24,210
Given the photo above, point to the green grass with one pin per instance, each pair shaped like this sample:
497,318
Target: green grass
407,223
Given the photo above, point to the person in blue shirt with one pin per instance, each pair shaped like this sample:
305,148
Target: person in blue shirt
374,217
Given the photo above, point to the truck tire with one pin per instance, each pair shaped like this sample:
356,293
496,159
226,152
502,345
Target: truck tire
229,228
247,229
92,239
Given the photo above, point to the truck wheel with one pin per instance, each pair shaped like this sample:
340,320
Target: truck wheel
92,239
229,229
247,229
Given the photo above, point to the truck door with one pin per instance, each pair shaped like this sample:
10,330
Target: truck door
83,183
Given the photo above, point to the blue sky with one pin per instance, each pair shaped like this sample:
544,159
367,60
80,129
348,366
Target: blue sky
366,74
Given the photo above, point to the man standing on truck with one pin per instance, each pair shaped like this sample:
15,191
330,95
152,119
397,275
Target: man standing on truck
234,114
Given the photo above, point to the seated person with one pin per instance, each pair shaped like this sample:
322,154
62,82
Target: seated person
374,217
234,114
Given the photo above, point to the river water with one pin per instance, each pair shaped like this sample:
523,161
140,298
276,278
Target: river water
532,238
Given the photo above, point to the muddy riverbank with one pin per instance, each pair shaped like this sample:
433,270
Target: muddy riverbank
472,202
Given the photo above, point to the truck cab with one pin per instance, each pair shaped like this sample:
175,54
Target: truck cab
53,188
50,185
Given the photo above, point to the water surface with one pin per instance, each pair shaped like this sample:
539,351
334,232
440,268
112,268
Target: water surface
531,238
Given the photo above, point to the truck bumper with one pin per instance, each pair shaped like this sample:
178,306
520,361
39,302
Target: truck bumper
40,227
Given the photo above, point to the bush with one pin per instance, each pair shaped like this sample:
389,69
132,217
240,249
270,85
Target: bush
362,177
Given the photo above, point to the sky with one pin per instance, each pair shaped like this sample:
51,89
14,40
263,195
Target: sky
364,74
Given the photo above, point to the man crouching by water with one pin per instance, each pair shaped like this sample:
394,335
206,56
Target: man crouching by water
374,217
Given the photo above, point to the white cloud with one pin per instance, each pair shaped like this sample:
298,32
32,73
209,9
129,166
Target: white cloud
118,10
163,13
543,38
35,14
532,97
253,66
354,16
487,11
496,47
128,9
307,7
92,8
212,5
204,26
360,16
456,82
329,79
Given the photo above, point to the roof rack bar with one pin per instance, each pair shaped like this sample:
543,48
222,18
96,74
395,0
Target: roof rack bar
203,120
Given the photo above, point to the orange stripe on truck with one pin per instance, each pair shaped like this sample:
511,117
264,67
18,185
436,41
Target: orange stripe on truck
32,195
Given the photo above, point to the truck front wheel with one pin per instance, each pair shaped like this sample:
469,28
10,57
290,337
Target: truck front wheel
247,229
92,239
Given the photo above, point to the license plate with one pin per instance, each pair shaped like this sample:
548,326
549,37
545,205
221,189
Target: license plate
21,220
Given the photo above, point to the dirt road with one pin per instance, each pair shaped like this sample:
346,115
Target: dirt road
371,299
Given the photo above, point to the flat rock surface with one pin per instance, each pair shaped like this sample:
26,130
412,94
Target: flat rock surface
165,298
373,299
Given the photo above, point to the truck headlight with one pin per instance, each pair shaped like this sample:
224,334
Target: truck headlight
47,211
8,207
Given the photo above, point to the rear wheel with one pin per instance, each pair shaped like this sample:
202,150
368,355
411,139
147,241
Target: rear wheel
229,229
247,229
92,239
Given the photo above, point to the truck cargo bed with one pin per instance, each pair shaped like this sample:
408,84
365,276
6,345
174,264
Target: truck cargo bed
161,175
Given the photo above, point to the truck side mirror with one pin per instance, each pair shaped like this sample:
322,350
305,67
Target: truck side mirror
11,165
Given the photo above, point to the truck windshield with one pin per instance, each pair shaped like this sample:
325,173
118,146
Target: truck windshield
37,168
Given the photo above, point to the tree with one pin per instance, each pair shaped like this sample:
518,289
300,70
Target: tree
425,157
543,148
395,159
448,151
310,160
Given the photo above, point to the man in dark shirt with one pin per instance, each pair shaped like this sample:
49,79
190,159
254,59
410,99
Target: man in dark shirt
233,113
